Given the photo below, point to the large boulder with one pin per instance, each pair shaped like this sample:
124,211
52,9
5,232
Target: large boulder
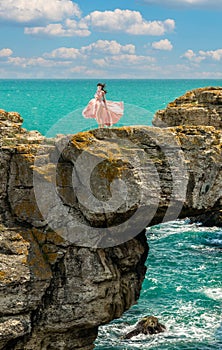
148,325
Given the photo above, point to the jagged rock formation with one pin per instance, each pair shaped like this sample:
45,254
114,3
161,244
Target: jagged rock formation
53,293
197,107
73,211
147,325
201,106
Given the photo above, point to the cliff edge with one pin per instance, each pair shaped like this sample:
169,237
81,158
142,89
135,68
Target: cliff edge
201,106
73,215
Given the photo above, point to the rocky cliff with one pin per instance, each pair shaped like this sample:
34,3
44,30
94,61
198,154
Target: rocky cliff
201,106
73,212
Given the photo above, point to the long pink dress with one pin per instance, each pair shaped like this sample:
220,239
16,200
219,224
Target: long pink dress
105,112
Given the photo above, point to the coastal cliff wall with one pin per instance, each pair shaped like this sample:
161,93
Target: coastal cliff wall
73,210
201,106
198,107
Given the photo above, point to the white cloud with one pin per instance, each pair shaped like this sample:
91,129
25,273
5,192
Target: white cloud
25,11
164,44
211,75
69,28
186,3
65,53
108,47
6,52
36,61
127,21
78,69
102,53
86,71
192,56
101,62
132,59
100,47
215,55
123,60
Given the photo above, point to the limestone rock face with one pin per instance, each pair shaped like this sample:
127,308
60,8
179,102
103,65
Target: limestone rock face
54,293
201,106
73,210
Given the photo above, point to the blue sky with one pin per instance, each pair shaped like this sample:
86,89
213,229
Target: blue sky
113,39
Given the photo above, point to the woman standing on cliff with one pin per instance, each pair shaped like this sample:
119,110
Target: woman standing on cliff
105,112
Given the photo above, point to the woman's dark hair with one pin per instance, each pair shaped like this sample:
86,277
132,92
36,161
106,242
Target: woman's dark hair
102,86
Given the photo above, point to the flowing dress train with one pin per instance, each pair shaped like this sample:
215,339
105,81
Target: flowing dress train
104,111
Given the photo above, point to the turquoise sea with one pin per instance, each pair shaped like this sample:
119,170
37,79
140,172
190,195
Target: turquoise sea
55,106
183,288
183,284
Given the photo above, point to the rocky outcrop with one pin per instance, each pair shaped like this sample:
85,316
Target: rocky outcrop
53,292
209,218
73,213
201,106
58,303
148,325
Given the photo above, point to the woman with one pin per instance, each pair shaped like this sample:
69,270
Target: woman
105,112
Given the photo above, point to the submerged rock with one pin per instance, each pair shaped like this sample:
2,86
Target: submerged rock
209,218
147,325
